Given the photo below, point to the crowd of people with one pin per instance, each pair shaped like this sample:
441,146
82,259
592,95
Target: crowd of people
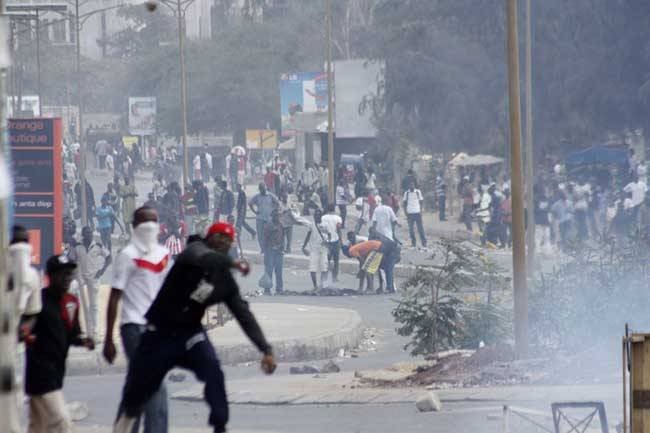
569,208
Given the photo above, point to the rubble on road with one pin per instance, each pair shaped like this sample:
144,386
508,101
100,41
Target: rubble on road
176,377
491,366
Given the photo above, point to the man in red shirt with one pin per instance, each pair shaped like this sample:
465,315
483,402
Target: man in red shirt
269,180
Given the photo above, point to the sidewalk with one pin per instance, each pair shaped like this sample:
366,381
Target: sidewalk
320,334
109,429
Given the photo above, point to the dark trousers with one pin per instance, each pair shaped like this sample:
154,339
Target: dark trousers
155,403
333,254
241,222
467,216
442,207
273,263
343,209
360,223
105,236
160,352
416,219
288,236
565,228
581,224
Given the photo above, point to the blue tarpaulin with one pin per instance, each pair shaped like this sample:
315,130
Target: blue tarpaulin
597,155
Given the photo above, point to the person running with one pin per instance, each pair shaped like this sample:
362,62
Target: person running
106,221
140,269
317,251
56,329
201,277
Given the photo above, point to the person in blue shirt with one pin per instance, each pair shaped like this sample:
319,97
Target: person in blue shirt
105,223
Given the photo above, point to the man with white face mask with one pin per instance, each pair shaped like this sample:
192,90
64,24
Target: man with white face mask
26,284
139,271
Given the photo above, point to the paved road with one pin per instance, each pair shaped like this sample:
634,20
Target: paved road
463,416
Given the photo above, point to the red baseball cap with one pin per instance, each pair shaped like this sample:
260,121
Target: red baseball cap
223,229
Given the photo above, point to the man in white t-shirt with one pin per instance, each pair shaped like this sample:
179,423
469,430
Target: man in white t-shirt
317,252
363,209
384,220
413,205
139,271
342,200
638,189
332,223
196,165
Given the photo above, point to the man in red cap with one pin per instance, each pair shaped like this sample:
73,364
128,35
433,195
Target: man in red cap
200,277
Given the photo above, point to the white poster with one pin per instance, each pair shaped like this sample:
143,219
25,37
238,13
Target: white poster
142,115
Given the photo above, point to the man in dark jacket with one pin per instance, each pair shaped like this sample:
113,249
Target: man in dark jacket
241,212
226,202
201,277
57,328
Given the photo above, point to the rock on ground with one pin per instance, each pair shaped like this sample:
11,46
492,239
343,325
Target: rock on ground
305,369
428,402
78,411
330,367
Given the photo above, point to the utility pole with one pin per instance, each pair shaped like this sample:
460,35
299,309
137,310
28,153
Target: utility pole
82,143
38,64
330,107
178,8
518,244
181,48
530,154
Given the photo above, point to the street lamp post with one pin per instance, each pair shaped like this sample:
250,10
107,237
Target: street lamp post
82,144
330,108
179,8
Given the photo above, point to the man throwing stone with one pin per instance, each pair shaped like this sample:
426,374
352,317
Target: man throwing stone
200,277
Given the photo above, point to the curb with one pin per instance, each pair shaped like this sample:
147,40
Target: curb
347,336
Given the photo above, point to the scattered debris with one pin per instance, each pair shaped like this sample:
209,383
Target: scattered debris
341,353
428,402
176,377
305,369
330,367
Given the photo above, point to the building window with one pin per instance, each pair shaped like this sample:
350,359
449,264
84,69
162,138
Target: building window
58,31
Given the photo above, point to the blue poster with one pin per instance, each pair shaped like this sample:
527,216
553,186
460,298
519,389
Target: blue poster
304,92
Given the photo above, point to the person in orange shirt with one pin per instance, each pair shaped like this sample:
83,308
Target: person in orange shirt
361,251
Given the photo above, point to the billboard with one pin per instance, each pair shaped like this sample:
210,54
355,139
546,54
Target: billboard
142,115
304,92
355,80
261,139
38,182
